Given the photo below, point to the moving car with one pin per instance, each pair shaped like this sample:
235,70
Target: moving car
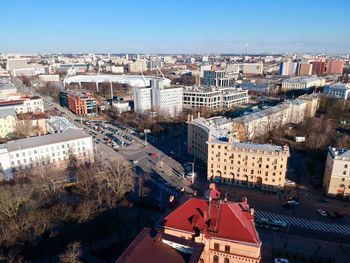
289,183
322,212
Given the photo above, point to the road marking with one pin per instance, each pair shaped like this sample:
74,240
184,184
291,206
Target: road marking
306,223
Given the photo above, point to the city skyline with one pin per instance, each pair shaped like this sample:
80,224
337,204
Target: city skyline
175,27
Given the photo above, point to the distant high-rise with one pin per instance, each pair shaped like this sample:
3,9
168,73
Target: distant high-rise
288,68
323,67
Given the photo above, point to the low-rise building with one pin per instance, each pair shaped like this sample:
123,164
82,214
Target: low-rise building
339,90
6,88
49,77
51,149
303,83
33,104
213,97
226,229
336,178
56,124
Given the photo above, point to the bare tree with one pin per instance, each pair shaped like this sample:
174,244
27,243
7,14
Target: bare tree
72,253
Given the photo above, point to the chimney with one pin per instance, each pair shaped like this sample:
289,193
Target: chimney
195,193
199,114
252,211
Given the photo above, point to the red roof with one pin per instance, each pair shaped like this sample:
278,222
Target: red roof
226,220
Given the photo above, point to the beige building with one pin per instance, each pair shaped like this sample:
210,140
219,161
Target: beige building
7,122
247,164
336,179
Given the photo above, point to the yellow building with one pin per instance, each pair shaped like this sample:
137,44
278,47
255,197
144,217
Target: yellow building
7,122
247,164
336,179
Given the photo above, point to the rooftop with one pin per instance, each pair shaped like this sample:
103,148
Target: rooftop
217,218
217,126
27,143
303,79
151,246
340,153
4,113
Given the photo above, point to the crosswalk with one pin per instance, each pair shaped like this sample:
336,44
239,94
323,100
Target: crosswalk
306,223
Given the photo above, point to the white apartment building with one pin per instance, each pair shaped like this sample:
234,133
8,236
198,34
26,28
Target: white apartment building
32,104
167,101
338,90
303,83
213,97
52,149
336,179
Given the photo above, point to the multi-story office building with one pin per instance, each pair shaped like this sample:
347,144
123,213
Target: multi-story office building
336,179
303,83
167,101
246,68
217,78
7,122
226,229
52,149
247,164
79,102
213,97
338,90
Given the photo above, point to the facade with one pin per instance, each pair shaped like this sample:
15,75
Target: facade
303,83
121,106
49,78
217,78
24,105
79,102
163,100
336,179
304,69
7,122
251,165
339,90
322,67
16,63
288,68
213,97
137,66
225,228
51,149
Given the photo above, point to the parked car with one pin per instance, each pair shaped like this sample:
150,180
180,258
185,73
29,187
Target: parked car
281,260
322,212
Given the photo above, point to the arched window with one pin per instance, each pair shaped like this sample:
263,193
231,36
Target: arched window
226,260
215,259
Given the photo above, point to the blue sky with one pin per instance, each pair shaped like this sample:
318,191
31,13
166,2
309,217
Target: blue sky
174,26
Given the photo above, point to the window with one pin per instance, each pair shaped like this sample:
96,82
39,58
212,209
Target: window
345,166
226,260
227,249
344,173
215,259
216,246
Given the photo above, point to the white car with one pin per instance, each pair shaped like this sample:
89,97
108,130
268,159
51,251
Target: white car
281,260
322,212
289,182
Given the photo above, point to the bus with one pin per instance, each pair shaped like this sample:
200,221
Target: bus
276,225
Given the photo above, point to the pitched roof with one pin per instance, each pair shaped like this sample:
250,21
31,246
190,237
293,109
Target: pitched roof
150,246
226,220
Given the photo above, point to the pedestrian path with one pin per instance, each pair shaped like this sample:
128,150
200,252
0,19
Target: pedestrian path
306,223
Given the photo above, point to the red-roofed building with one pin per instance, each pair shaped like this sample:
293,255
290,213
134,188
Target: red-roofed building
226,229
